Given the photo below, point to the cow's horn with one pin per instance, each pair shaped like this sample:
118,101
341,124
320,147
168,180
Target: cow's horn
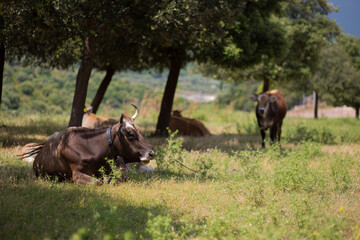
136,113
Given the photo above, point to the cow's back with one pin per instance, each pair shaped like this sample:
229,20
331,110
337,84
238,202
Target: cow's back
47,161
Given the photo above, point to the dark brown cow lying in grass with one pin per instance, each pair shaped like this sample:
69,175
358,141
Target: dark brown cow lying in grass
78,153
90,120
187,126
270,112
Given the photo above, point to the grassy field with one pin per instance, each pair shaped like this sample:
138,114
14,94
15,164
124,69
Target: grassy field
307,189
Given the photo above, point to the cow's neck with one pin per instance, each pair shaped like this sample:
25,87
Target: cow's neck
113,141
116,140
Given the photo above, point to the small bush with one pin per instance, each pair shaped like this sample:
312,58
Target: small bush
12,99
204,165
170,155
27,88
160,227
115,173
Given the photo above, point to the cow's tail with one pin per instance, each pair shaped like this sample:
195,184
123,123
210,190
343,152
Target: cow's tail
29,154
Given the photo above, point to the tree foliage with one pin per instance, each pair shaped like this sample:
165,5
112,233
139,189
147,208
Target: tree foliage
337,79
181,31
296,31
265,40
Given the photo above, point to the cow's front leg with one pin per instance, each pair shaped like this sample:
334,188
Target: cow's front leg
273,131
262,131
120,165
279,134
83,178
140,168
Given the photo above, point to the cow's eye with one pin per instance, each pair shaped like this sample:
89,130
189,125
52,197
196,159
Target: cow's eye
130,135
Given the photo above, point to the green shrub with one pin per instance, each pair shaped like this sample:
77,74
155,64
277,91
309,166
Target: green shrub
27,88
170,155
12,99
204,165
115,173
81,234
171,158
22,77
160,227
39,106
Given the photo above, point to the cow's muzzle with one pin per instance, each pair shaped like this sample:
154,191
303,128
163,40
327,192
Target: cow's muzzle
261,111
145,159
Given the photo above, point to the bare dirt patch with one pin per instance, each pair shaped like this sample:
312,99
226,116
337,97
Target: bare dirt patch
330,112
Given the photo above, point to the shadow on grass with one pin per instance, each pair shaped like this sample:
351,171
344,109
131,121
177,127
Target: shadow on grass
38,131
224,142
38,209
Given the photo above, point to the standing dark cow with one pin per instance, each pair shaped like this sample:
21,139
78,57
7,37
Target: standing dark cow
78,153
270,112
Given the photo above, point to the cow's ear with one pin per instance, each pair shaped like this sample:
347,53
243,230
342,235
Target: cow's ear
122,119
272,98
253,97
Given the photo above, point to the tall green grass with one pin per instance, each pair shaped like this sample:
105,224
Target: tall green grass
309,188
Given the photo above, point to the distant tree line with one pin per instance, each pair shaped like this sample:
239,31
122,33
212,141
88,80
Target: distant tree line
282,39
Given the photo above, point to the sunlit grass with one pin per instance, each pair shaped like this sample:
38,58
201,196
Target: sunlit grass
307,189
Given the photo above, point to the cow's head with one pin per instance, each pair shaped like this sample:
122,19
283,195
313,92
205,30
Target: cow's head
133,144
176,113
264,100
89,109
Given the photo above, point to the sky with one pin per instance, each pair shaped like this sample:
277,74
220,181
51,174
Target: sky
348,16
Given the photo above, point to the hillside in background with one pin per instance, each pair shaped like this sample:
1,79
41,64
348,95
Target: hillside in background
189,80
43,90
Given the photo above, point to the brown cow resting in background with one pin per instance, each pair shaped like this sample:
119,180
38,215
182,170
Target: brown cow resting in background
91,120
187,126
77,153
270,112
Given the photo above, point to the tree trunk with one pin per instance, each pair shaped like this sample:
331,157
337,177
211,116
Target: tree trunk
2,63
266,84
82,81
357,107
168,98
102,89
315,99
